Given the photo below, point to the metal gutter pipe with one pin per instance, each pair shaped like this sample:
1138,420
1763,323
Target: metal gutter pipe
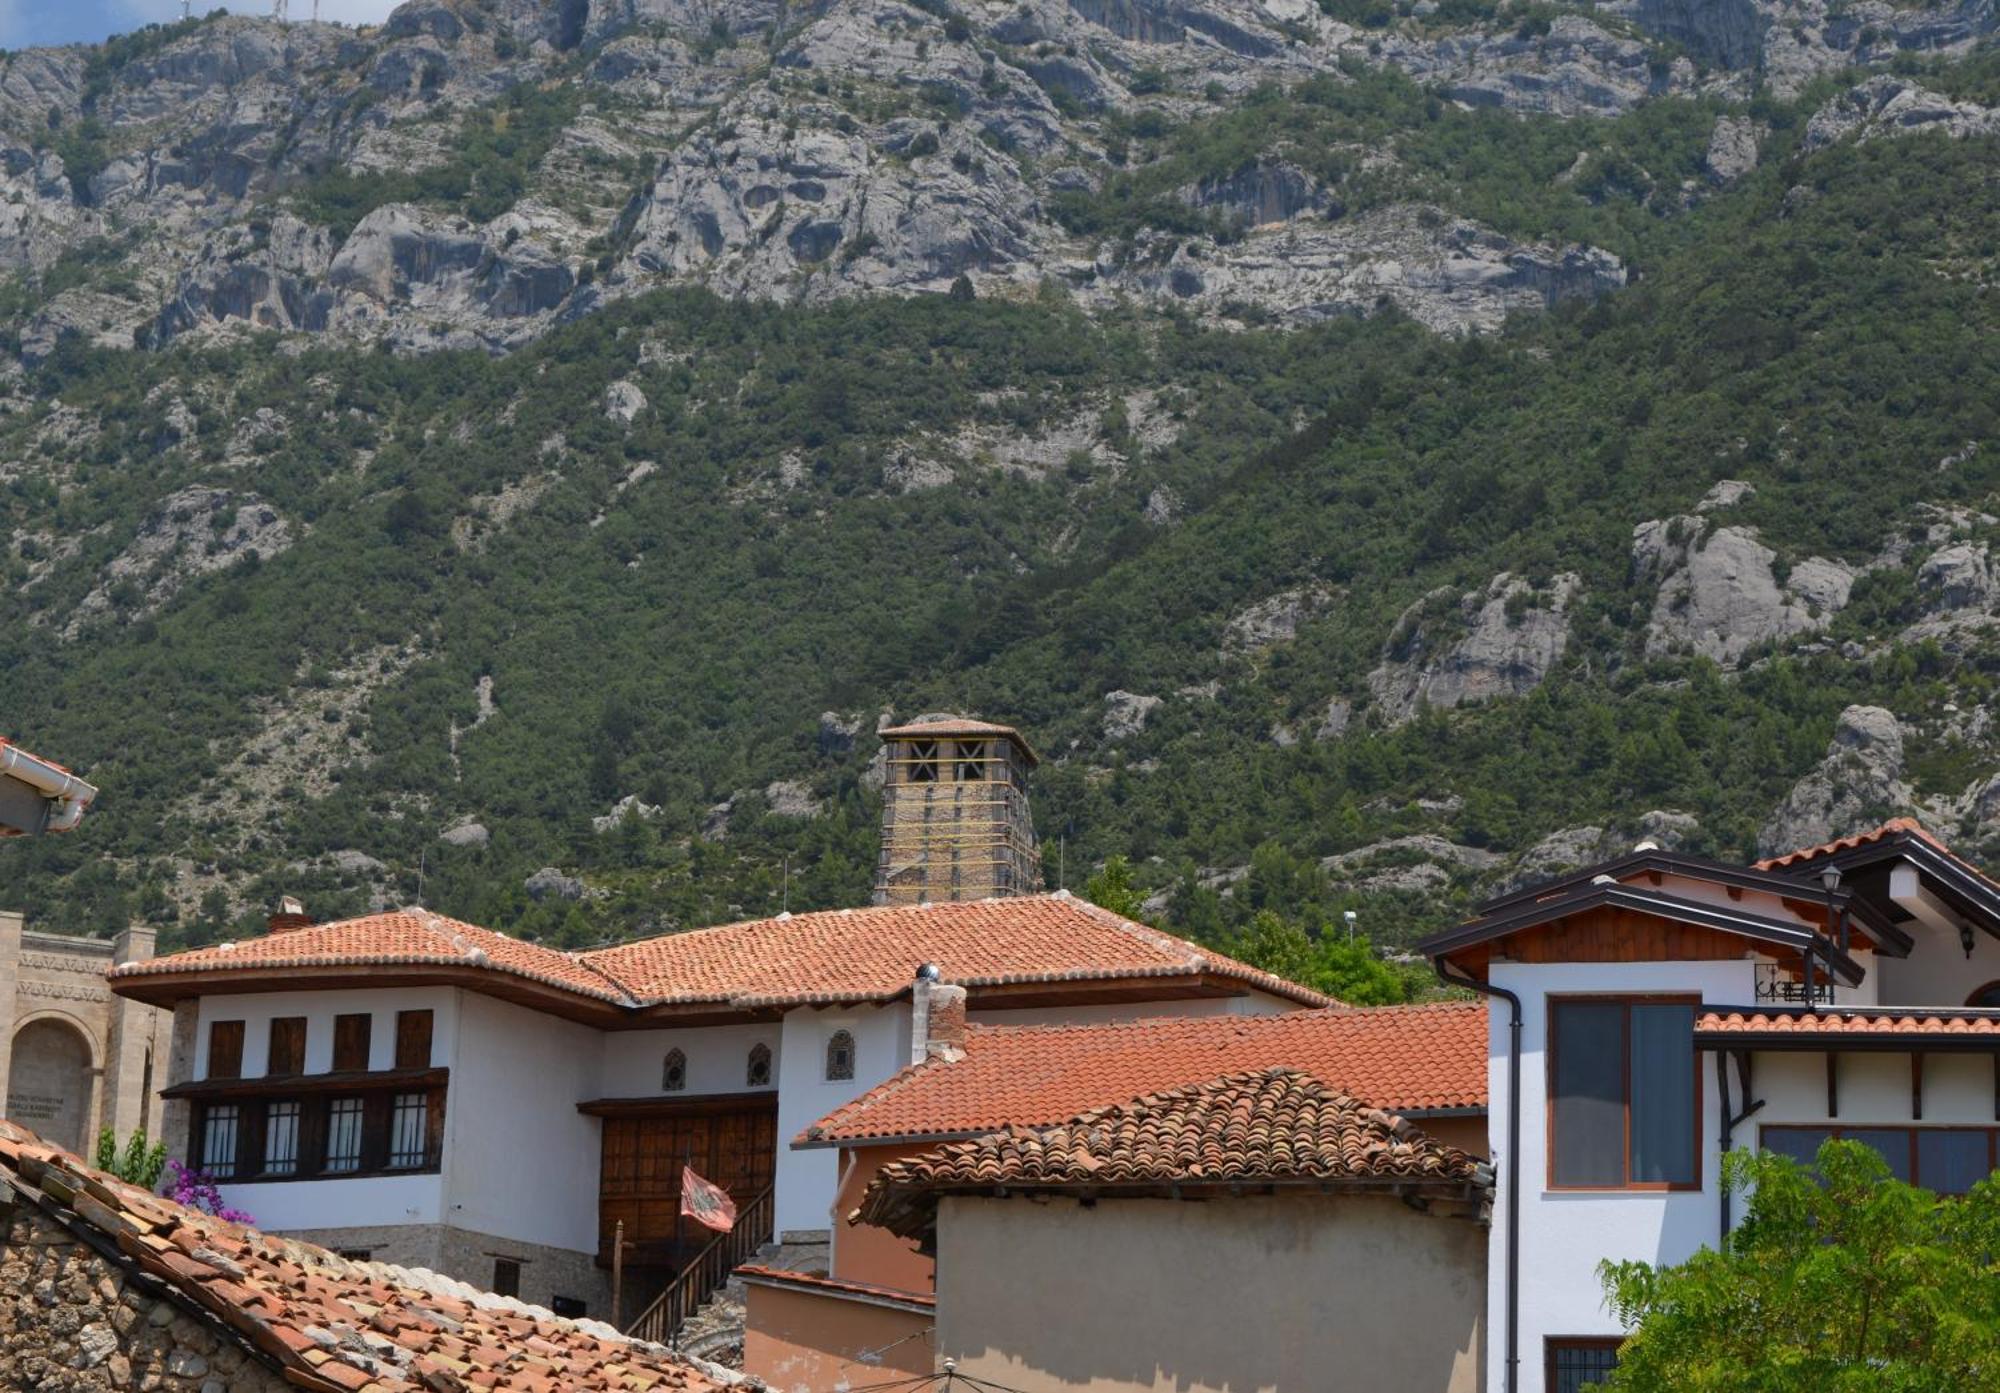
58,785
1511,1380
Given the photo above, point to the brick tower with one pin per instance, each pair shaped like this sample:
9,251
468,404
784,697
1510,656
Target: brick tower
955,823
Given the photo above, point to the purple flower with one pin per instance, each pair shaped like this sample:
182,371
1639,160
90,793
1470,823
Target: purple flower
197,1190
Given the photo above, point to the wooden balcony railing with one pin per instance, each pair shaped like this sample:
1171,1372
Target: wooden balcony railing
704,1275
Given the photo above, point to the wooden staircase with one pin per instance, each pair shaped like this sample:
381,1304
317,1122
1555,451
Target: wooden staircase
705,1274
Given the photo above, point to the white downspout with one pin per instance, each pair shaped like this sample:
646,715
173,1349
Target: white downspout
59,786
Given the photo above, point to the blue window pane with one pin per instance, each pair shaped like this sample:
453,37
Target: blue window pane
1799,1143
1589,1042
1893,1145
1663,1095
1951,1163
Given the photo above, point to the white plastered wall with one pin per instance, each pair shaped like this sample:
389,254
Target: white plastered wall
718,1059
342,1203
1565,1234
808,1179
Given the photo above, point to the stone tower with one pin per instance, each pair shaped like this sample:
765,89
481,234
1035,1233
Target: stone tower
955,822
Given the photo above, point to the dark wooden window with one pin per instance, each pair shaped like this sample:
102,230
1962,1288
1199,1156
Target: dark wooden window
413,1039
343,1135
288,1046
758,1075
506,1277
839,1056
674,1072
350,1043
1579,1362
1624,1094
221,1134
1949,1160
355,1254
225,1049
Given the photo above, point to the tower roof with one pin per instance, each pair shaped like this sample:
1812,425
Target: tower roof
949,727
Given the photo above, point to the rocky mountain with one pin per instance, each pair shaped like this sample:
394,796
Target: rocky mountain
1382,449
474,172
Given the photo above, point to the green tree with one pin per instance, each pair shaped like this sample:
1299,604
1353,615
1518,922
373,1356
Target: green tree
139,1164
1112,888
1839,1278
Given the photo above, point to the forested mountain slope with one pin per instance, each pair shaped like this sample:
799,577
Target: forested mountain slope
1315,599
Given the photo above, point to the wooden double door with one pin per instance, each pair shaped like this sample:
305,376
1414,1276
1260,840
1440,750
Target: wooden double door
733,1144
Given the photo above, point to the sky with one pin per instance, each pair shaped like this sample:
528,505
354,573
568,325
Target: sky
24,23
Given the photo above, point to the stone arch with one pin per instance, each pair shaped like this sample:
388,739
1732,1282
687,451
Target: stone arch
52,1077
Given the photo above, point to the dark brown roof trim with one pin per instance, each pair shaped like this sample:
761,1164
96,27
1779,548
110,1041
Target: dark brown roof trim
1968,890
1796,937
1893,941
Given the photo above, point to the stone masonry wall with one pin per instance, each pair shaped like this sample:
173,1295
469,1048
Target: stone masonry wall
71,1323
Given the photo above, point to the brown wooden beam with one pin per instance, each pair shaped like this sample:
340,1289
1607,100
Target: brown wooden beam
1832,1084
682,1106
1916,1086
296,1085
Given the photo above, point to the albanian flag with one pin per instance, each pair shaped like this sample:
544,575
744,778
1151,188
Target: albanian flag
706,1203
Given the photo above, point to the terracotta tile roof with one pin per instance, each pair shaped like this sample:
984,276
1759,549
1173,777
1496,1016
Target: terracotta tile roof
833,1286
329,1323
1404,1058
1253,1128
873,954
404,937
1938,1024
1888,829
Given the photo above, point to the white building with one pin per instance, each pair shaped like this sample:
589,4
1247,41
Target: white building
1650,1014
439,1094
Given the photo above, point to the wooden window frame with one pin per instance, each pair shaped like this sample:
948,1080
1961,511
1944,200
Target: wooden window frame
346,1044
1554,1344
225,1042
416,1036
1630,1186
1910,1132
286,1026
377,1096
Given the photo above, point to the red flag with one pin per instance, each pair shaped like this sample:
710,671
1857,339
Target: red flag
706,1203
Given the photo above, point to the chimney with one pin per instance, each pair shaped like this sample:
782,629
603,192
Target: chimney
937,1018
291,915
955,823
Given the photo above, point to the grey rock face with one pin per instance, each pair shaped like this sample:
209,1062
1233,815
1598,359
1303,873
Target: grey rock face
1891,106
189,533
837,732
550,883
1719,595
623,402
1449,274
1727,33
1426,845
1334,723
1732,149
1274,619
791,798
630,806
1857,785
1556,853
1496,642
466,834
1726,493
1125,713
1959,578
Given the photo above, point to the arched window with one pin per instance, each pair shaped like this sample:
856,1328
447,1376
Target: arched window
759,1075
839,1056
674,1072
1988,995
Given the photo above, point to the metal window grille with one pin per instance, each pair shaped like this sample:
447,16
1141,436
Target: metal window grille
840,1056
218,1139
674,1072
409,1127
1574,1367
281,1139
343,1136
759,1073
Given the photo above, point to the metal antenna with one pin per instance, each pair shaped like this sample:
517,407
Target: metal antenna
278,11
187,9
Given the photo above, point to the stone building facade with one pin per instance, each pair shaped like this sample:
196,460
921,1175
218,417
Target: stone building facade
76,1058
73,1321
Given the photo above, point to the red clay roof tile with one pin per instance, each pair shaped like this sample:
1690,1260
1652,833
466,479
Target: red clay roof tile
1404,1058
1873,834
1251,1128
849,955
1889,1021
329,1323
